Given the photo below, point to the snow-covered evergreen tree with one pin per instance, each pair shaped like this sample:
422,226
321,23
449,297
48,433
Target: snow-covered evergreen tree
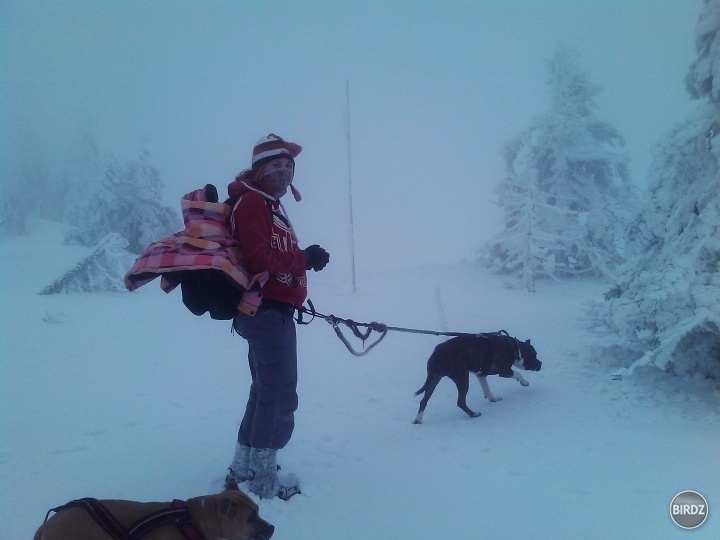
665,309
700,80
13,220
103,270
127,202
36,190
82,176
566,194
518,196
32,187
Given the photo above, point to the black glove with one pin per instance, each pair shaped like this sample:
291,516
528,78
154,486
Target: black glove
317,257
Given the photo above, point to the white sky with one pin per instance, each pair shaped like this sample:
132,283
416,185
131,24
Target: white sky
436,88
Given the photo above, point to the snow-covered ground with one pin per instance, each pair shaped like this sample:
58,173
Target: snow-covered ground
131,396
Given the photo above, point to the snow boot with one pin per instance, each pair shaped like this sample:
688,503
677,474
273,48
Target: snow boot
264,479
239,470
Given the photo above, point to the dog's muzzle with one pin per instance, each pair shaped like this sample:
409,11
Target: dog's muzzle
265,531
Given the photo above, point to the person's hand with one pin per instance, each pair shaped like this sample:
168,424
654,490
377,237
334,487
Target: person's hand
317,257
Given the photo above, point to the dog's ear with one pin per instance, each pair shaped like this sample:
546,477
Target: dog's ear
232,486
528,342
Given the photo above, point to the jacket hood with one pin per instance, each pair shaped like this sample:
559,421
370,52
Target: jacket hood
242,184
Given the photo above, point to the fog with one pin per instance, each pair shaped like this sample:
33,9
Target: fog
435,89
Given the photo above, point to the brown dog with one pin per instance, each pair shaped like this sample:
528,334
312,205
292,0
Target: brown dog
230,515
482,354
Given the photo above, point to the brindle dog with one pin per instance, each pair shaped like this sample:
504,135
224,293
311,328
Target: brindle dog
482,354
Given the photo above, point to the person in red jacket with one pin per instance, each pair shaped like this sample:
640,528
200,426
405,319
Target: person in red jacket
268,243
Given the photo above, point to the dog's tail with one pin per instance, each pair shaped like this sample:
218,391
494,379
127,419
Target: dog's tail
422,390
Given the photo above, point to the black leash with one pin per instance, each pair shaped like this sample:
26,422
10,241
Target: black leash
371,327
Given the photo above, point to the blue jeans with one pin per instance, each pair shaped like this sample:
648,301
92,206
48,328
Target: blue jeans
269,417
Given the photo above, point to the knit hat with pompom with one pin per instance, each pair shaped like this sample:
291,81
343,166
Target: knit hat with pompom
273,147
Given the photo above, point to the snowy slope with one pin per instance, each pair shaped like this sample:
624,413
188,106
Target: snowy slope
131,396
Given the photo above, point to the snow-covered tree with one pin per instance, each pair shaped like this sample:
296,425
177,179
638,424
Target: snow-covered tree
103,270
13,220
127,202
566,194
665,309
700,80
518,196
82,175
32,187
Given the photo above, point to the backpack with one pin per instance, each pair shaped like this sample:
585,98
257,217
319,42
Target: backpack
204,259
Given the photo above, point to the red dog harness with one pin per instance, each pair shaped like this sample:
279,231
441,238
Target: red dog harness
178,515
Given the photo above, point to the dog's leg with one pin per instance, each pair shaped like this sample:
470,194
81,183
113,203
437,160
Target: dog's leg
486,389
428,388
519,378
463,385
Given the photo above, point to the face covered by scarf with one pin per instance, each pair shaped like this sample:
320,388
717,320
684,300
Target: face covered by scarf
277,181
273,166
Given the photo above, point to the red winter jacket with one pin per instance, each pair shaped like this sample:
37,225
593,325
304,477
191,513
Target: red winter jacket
268,244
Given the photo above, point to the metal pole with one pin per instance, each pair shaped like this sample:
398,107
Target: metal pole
350,199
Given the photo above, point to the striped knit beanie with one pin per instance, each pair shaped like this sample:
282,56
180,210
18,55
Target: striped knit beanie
273,147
